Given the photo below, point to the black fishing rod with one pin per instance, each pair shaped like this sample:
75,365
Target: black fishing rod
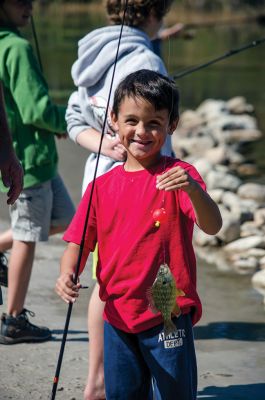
228,54
77,269
257,19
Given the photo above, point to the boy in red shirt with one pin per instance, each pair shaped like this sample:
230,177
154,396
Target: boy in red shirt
132,246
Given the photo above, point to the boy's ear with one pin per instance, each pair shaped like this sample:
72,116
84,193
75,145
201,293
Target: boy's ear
173,126
114,120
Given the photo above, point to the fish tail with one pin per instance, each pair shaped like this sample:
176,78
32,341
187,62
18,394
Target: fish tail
169,327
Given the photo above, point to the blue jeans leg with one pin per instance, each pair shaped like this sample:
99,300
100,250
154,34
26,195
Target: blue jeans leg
127,376
171,360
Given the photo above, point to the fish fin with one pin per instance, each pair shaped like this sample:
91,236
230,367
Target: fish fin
149,295
176,310
169,327
180,292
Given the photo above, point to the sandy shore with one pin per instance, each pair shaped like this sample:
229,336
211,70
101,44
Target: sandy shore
229,338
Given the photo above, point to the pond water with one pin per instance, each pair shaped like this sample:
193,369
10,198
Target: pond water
242,74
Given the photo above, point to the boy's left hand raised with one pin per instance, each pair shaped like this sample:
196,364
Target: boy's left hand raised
176,178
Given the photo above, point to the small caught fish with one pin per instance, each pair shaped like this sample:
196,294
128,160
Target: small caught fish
162,297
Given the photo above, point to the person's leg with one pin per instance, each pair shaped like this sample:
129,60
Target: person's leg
19,272
95,389
171,360
126,373
29,215
6,240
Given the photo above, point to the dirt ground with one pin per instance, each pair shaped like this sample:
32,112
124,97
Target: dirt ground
229,338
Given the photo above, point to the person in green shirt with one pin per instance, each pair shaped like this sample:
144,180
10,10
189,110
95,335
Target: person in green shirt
44,206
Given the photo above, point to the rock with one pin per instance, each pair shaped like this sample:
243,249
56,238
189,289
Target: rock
258,282
255,252
217,155
193,145
259,217
254,191
234,157
238,105
231,201
220,180
245,265
247,169
240,245
230,230
202,239
226,214
211,109
229,123
216,194
203,166
190,119
250,228
262,263
210,138
244,135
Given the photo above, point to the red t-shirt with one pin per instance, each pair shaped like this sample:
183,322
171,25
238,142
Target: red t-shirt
131,247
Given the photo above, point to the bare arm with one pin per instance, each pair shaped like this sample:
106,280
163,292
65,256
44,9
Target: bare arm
207,213
172,31
90,139
82,130
65,287
10,167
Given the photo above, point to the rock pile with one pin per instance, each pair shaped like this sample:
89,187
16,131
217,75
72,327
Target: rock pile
211,138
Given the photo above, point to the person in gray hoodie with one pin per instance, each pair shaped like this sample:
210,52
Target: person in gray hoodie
92,75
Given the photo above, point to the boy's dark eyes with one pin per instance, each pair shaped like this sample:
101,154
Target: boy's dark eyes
132,121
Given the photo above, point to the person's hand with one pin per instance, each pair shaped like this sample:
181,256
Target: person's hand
66,289
113,148
12,175
61,135
176,178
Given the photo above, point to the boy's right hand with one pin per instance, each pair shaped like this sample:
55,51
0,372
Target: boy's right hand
66,289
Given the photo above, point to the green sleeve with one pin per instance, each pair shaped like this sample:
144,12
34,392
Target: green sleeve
30,90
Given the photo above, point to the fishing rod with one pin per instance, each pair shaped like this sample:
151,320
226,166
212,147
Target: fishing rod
77,269
259,19
228,54
36,43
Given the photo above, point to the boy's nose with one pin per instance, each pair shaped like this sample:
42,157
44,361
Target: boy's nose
141,130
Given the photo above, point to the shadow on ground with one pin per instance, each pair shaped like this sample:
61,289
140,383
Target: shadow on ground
72,335
234,392
231,330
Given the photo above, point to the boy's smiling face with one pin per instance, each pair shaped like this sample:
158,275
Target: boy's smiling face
16,12
142,130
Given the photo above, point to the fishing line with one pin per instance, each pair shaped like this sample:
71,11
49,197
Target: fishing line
36,42
75,277
228,54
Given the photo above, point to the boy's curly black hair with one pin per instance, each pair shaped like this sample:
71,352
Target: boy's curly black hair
137,12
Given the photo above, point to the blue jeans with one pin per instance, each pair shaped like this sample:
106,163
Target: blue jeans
132,361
